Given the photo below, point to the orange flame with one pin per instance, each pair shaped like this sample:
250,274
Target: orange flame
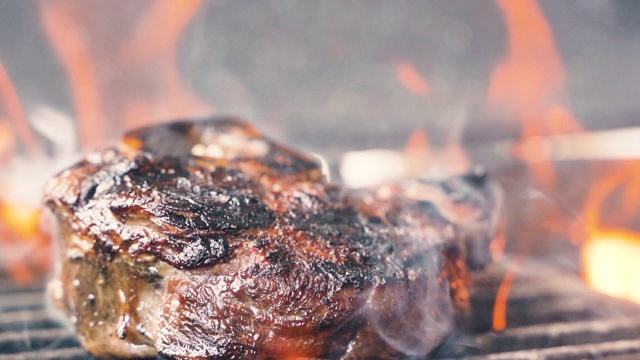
70,43
130,81
156,42
529,84
19,223
412,80
20,234
122,81
15,112
500,306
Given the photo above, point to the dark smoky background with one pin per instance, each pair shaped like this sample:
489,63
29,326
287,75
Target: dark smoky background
322,75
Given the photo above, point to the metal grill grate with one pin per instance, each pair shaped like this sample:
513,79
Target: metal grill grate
27,330
550,316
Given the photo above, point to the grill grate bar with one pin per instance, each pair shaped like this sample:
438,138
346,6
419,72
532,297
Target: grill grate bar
14,342
8,286
559,334
8,289
57,354
606,350
21,301
527,287
27,319
578,324
539,297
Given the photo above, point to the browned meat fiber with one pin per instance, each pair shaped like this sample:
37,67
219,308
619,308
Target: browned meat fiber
206,240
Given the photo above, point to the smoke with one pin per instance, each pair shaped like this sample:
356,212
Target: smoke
413,316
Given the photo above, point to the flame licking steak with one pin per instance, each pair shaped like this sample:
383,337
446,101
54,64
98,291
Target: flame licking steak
205,240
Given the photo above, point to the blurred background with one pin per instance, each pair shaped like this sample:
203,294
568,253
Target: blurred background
313,73
542,93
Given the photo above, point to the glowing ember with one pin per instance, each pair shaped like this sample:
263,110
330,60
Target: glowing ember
25,247
610,253
21,219
611,265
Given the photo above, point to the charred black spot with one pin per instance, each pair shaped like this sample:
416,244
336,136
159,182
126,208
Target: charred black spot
286,161
324,324
413,211
191,252
477,177
348,273
375,220
276,257
261,242
87,193
280,262
253,270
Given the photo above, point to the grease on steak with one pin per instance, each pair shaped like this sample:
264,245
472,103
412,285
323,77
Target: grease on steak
205,240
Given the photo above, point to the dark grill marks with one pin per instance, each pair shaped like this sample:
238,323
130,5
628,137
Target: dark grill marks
222,244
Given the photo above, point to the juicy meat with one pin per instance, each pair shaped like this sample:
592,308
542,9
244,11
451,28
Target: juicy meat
205,240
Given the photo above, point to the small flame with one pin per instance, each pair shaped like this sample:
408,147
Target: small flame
502,298
15,112
7,141
529,84
412,80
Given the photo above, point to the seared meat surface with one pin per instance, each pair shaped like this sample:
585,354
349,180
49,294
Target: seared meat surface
205,240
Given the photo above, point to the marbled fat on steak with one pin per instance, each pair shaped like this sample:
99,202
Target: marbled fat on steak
206,240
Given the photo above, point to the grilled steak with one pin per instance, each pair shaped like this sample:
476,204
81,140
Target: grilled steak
206,240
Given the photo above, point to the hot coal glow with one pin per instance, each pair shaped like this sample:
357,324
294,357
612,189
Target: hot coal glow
610,246
611,263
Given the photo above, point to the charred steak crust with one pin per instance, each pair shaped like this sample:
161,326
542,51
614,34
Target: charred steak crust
205,240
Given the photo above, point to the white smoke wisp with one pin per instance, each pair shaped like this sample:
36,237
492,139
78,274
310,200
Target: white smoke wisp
25,175
415,316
